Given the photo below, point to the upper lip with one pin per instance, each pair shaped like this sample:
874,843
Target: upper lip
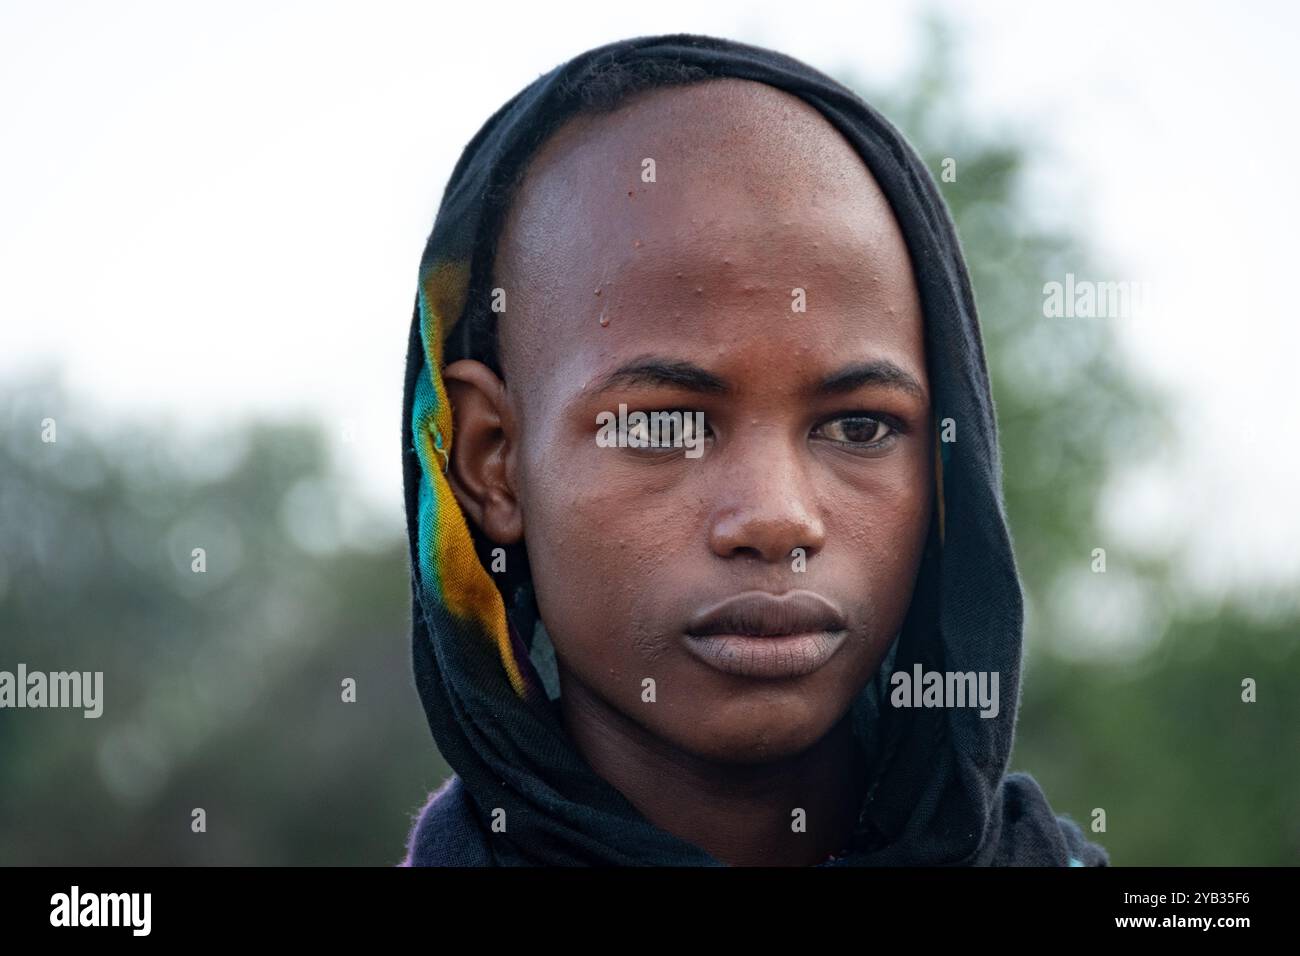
762,614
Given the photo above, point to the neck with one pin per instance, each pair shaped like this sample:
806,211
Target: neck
741,814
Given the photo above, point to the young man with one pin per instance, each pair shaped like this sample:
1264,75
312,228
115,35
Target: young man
786,628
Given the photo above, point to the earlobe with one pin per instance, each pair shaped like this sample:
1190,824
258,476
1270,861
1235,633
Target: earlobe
480,470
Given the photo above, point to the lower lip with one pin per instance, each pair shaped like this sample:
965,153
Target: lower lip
790,655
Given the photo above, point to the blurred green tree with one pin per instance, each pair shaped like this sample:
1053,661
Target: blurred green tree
1131,701
222,687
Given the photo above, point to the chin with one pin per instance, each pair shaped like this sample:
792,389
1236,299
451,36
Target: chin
740,738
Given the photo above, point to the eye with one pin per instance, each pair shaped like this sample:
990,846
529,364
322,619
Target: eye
666,431
860,431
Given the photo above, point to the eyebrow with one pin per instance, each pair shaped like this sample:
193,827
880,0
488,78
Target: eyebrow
876,372
650,370
670,373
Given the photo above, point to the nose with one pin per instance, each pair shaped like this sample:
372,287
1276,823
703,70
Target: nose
767,506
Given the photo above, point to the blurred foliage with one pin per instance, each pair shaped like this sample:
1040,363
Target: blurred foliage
223,689
1131,698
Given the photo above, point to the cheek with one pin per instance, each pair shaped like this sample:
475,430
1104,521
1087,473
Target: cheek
594,542
880,525
890,524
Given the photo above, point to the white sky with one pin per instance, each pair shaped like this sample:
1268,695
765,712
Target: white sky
215,210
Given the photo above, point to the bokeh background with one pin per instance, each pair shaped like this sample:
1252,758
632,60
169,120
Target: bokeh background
210,222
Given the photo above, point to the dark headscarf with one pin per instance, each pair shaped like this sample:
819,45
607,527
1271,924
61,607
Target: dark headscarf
939,793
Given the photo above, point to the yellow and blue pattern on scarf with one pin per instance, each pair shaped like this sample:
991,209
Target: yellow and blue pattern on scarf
451,573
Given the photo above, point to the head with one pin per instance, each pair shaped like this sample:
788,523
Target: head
761,278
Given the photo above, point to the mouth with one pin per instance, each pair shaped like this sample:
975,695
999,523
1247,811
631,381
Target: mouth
758,634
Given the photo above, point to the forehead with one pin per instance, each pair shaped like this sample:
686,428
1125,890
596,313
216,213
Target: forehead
692,216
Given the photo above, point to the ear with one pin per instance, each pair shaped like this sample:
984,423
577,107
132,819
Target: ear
481,472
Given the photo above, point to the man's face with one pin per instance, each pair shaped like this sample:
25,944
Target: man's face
815,474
